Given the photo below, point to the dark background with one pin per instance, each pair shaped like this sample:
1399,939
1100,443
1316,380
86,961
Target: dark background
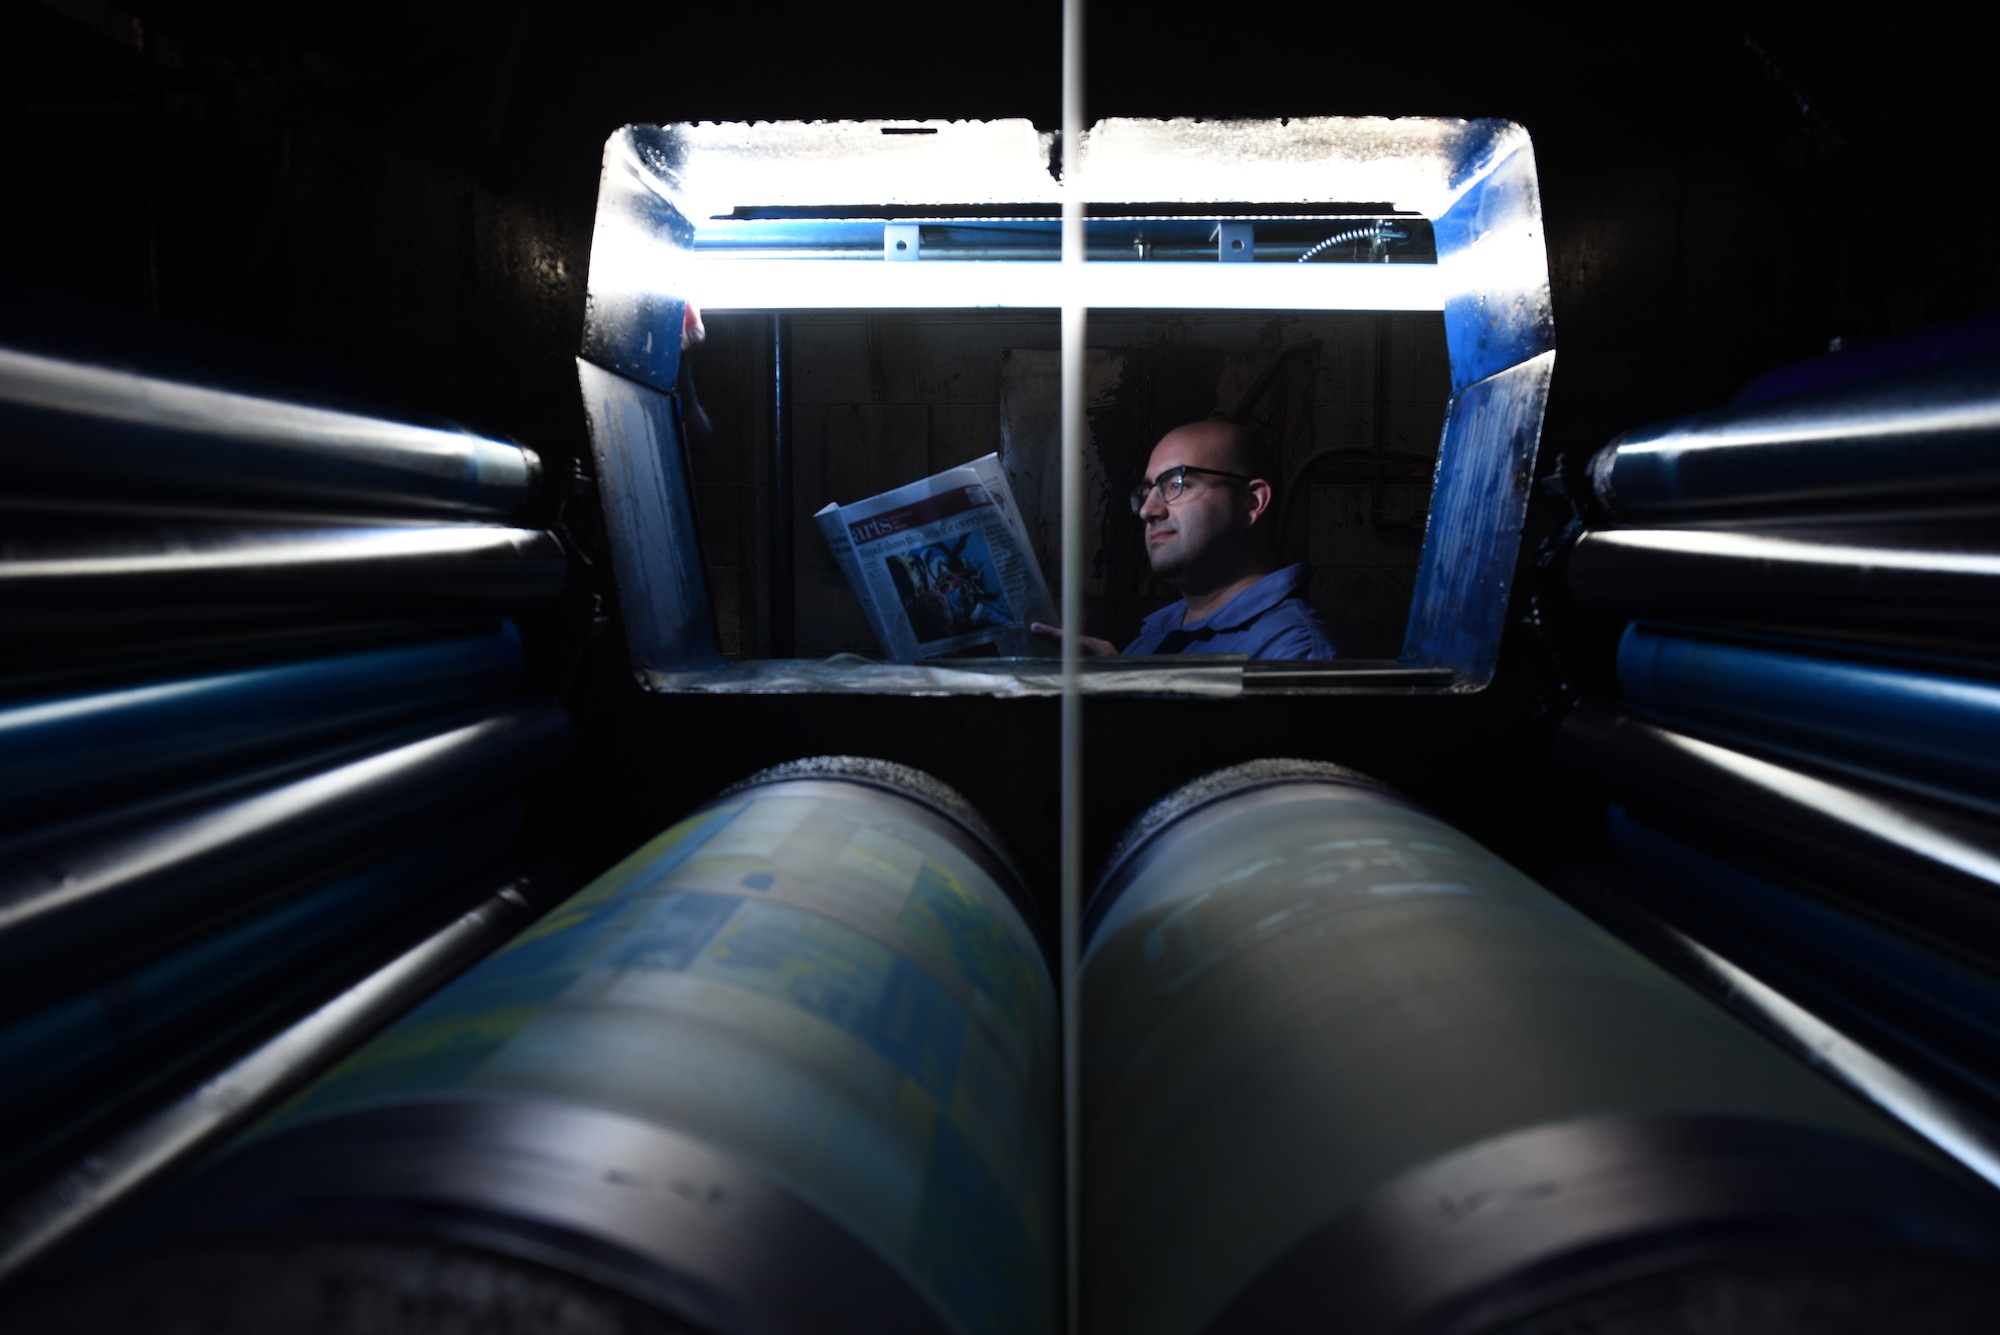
397,199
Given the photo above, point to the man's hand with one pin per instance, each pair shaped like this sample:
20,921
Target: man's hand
1088,645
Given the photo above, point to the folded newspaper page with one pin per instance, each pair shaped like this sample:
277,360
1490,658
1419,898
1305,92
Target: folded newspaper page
943,566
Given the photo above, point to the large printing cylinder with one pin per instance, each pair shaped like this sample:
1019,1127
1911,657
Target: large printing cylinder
790,1067
1344,1070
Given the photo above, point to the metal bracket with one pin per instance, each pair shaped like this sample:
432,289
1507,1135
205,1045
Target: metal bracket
1235,242
901,241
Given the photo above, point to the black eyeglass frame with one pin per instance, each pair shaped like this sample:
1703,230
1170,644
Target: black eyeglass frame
1178,475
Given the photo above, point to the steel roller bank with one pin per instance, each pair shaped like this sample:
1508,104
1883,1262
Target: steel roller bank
1343,1069
790,1067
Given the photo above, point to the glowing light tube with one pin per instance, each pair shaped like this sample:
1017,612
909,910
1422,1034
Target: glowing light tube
728,283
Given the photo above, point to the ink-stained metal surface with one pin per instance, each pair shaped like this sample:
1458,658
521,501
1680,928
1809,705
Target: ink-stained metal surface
60,751
791,1066
1486,467
70,426
825,189
1315,1012
843,674
711,169
1413,164
642,477
1917,440
1935,727
632,320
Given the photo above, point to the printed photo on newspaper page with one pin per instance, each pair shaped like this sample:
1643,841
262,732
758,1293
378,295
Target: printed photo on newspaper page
943,566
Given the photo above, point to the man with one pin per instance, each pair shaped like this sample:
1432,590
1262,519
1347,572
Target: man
1208,501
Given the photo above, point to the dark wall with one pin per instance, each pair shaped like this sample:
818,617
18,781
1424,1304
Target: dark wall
405,191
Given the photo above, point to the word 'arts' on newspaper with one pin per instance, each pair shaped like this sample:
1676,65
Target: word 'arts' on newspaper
943,566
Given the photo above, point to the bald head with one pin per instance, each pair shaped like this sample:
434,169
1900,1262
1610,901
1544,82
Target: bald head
1228,446
1220,530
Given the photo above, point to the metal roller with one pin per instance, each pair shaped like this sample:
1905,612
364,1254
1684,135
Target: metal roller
1936,587
83,899
1845,964
118,1028
109,653
791,1067
70,426
1932,726
1345,1070
103,744
68,575
1929,867
42,1216
1916,440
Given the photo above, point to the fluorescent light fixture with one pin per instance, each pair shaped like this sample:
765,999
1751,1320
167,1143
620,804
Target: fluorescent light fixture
718,282
752,217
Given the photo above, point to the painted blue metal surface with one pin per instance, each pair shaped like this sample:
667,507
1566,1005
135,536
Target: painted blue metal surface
1931,727
1497,311
642,476
1959,1005
632,320
113,1025
1486,466
99,746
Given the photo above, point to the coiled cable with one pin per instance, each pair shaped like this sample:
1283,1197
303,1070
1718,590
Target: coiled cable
1368,232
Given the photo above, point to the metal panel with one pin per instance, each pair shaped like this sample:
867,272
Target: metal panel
1419,164
642,475
1486,467
1494,265
635,303
68,427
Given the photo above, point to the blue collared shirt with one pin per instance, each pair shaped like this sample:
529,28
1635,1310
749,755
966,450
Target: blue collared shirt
1270,619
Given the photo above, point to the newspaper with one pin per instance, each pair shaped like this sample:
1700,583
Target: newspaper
943,566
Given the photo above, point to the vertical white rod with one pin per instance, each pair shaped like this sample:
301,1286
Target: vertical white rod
1074,433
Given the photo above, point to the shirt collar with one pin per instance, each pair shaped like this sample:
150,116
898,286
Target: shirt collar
1244,608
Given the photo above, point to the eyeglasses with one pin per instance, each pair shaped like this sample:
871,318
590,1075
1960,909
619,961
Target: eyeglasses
1171,484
